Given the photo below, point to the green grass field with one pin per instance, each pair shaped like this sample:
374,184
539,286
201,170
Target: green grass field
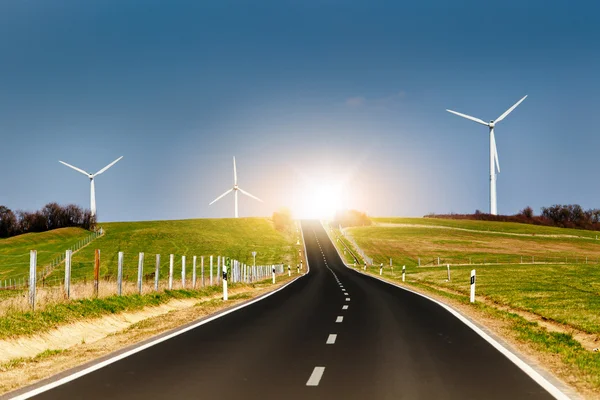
505,227
14,252
477,242
568,293
235,238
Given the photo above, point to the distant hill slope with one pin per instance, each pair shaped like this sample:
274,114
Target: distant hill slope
408,240
507,227
235,238
14,251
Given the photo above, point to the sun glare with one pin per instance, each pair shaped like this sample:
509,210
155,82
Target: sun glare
319,201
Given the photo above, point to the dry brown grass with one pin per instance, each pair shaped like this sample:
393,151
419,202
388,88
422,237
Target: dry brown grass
19,373
50,295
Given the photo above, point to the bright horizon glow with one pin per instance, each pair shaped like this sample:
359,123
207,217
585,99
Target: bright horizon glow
319,201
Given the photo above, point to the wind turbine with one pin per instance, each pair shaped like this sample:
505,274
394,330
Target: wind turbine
235,190
92,176
493,151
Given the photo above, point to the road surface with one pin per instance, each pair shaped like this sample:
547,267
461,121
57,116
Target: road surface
333,334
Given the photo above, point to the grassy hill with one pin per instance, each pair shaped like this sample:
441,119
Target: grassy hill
504,227
14,251
551,308
560,285
235,238
463,242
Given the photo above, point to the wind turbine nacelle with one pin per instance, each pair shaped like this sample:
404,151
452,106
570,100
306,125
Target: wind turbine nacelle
491,124
235,187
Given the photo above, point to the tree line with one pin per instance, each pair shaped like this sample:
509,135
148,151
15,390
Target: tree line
559,215
51,216
347,218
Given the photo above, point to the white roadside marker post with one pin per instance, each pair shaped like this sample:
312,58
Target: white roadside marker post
119,274
226,264
473,286
32,277
67,274
157,272
218,268
403,273
273,273
289,271
171,261
381,269
140,272
448,266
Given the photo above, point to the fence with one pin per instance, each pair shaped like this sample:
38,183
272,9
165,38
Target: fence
18,262
490,259
506,259
202,275
350,239
79,245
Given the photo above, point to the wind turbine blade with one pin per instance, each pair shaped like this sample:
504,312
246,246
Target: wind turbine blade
482,122
249,195
234,172
108,166
75,168
221,196
495,152
500,118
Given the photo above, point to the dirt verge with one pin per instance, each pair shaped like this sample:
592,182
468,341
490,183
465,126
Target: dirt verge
35,358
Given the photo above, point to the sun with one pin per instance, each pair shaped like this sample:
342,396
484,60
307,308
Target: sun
319,201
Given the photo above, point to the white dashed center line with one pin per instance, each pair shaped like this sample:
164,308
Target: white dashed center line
347,298
316,376
344,307
339,319
331,339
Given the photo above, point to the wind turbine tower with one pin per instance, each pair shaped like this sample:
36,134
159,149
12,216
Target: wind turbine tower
235,190
91,177
494,163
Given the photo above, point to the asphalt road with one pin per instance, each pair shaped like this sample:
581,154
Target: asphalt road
389,344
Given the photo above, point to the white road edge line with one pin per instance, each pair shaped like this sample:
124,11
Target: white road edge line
331,339
116,358
532,373
316,376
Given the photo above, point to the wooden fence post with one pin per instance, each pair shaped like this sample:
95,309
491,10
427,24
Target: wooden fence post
140,272
96,271
183,272
194,272
32,277
157,273
171,260
120,274
68,257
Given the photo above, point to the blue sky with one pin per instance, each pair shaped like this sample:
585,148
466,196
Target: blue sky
302,93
